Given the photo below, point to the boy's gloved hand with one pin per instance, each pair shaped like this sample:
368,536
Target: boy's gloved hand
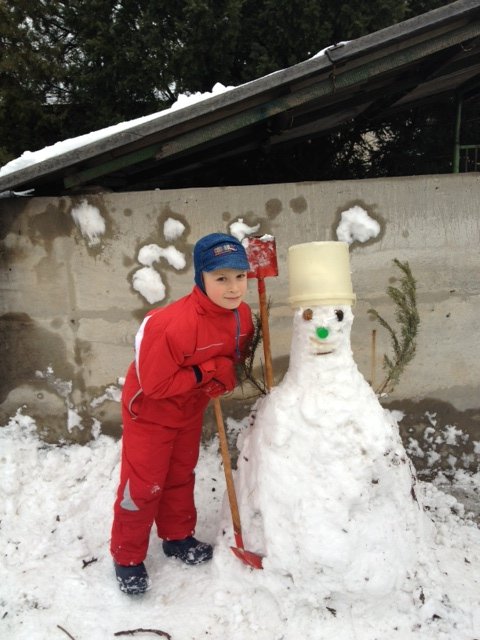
223,378
213,389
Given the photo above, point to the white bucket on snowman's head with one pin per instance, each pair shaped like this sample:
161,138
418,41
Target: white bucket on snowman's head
319,274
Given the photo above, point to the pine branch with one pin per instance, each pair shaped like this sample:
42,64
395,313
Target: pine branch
406,315
245,372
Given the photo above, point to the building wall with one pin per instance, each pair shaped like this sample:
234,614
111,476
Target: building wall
69,312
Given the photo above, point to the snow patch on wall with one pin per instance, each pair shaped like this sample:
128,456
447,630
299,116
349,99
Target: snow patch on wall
62,387
173,229
240,229
90,222
112,392
356,225
440,444
147,280
149,284
151,253
74,420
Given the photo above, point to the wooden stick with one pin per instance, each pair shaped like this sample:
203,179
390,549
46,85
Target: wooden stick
262,297
374,357
65,631
227,467
133,632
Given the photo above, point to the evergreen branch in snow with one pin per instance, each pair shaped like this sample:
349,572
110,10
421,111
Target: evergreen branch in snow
406,315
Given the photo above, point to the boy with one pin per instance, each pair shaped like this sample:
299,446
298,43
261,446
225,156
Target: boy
185,354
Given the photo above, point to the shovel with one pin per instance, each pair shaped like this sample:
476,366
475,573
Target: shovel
262,256
247,557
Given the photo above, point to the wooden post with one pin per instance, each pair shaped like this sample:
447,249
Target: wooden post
373,358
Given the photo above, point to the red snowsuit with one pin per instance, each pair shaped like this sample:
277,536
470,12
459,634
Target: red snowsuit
162,409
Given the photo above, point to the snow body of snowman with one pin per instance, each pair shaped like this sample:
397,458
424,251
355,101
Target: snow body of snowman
325,488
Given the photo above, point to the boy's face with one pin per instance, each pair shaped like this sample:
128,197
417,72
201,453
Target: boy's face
226,287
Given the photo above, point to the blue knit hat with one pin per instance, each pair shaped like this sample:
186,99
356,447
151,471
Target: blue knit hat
218,251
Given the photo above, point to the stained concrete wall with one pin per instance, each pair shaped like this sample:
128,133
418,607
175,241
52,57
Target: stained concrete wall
69,313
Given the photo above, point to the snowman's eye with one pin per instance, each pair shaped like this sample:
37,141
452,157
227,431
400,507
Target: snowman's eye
339,314
307,314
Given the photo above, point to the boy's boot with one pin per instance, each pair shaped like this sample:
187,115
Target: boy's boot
132,579
189,550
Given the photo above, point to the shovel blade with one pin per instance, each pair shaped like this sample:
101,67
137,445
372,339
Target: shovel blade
262,256
248,557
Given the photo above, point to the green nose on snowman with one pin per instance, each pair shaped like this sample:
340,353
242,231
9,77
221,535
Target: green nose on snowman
322,332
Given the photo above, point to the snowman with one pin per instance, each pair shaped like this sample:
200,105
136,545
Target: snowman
326,491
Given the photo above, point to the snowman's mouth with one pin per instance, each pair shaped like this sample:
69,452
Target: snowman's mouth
324,349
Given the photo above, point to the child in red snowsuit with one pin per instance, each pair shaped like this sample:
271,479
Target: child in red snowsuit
185,354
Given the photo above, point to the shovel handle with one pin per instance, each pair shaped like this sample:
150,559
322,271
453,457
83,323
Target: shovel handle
262,299
227,466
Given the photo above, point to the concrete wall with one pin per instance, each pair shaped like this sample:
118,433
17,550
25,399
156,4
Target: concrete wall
69,313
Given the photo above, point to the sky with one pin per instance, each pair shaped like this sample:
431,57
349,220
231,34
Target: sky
354,545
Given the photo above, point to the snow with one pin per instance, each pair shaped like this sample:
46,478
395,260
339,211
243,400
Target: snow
151,253
317,494
148,282
173,229
357,225
355,546
74,420
62,387
90,222
452,434
112,392
187,99
322,52
339,476
29,158
241,230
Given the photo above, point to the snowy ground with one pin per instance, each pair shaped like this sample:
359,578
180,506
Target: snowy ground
58,580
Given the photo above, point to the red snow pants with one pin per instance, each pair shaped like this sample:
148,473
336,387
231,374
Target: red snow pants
157,481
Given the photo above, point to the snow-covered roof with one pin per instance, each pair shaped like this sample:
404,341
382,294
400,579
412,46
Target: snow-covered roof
419,59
